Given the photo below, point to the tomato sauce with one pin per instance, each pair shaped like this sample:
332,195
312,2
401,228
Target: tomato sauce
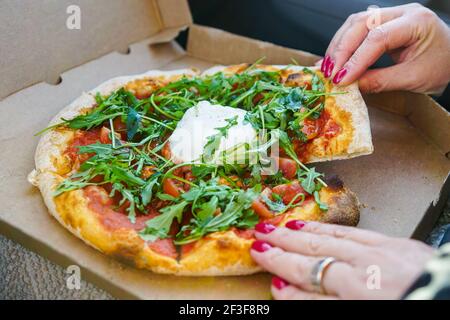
186,248
117,218
313,129
103,205
165,247
82,138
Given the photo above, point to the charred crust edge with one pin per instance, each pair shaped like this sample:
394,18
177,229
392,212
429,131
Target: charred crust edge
344,209
334,182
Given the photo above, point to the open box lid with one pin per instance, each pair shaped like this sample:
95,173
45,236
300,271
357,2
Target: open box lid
399,186
56,36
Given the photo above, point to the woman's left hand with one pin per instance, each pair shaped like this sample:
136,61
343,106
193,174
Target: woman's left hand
368,265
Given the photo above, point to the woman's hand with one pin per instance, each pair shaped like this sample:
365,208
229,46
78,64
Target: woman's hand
368,265
414,36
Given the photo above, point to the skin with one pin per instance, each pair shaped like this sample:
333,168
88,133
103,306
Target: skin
414,36
292,255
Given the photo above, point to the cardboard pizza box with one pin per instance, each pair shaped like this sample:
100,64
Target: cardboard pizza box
46,62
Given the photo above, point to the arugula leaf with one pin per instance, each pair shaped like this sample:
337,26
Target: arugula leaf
147,190
213,142
232,215
275,206
207,209
133,122
126,176
158,227
102,150
322,206
293,101
309,180
90,120
201,171
248,220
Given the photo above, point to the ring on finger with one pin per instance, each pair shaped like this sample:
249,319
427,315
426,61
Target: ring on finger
318,272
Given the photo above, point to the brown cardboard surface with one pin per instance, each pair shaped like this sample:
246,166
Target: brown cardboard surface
220,47
396,184
41,47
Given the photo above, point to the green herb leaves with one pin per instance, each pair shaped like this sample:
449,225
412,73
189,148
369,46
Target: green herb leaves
158,227
214,207
212,145
309,180
133,122
221,212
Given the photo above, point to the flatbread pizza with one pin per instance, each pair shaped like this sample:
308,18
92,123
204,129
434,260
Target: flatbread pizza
171,170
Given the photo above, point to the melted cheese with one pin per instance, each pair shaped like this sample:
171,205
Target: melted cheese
188,141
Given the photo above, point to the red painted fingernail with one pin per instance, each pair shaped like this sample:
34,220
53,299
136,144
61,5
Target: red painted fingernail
261,246
339,75
295,224
329,69
279,283
325,62
265,227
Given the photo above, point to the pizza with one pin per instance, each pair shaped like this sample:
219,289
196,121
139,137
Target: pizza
171,170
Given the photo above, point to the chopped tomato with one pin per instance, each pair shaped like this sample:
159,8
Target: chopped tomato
288,191
311,128
331,129
257,98
166,153
164,247
260,207
244,233
186,248
288,167
143,92
104,135
147,172
120,127
171,188
276,220
231,179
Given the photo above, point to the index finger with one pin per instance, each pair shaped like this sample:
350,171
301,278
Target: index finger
350,36
386,37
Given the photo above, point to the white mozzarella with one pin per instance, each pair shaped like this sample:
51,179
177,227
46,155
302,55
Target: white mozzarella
188,140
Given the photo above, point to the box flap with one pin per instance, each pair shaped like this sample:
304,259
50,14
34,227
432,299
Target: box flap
226,48
59,35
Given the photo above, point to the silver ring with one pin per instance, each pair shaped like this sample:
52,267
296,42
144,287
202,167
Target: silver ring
318,271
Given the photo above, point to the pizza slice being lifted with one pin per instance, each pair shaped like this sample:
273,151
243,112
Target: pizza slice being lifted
158,169
334,123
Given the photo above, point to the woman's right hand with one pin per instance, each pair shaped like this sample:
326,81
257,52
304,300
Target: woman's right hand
414,36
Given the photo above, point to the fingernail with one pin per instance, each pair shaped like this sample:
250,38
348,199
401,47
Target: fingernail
279,283
295,224
261,246
325,62
265,227
339,75
329,69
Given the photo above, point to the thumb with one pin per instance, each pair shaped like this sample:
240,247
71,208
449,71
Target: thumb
397,77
